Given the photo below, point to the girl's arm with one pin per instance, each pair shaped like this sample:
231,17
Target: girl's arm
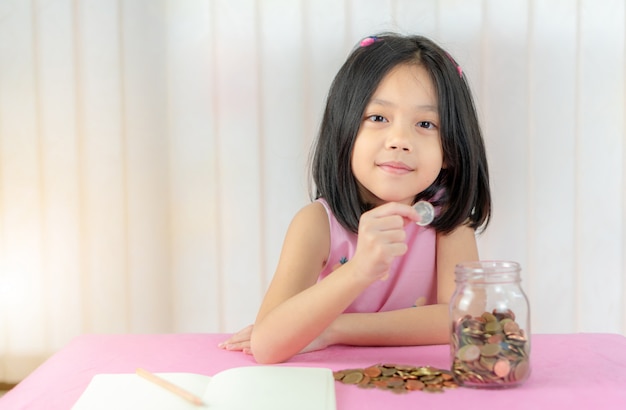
297,309
417,325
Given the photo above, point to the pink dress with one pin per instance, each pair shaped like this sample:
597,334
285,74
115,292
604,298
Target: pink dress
412,277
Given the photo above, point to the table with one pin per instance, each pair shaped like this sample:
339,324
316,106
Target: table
574,371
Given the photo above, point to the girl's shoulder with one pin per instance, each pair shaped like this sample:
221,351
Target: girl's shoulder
313,216
308,236
314,209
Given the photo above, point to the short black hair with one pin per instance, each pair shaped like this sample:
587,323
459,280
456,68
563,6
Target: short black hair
461,188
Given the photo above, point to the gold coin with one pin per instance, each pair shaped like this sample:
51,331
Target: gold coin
502,368
497,338
372,371
468,353
434,380
489,317
423,371
380,384
414,385
446,376
521,370
353,377
488,363
395,382
511,327
493,327
388,371
338,375
490,350
365,381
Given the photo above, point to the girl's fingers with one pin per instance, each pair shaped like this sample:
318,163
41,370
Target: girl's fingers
395,208
239,339
385,232
241,346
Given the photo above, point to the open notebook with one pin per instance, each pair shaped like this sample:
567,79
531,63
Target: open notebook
239,388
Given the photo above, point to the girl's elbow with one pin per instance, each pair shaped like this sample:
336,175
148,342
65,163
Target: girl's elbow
264,353
264,358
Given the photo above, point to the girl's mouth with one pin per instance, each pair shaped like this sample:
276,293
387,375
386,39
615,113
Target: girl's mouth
395,167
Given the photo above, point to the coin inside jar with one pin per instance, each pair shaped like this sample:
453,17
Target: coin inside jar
426,212
490,350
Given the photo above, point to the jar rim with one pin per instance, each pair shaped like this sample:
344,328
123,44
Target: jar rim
489,266
488,271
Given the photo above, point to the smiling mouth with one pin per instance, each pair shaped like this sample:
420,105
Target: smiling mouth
395,167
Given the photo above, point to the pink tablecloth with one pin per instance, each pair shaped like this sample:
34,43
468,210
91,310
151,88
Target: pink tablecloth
576,371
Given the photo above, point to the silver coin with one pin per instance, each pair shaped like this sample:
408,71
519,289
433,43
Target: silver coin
426,212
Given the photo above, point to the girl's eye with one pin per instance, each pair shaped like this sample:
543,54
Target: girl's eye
377,118
426,124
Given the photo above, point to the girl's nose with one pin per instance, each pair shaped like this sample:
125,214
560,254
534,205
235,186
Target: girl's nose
399,140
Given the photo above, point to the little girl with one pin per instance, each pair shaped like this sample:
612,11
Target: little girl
399,126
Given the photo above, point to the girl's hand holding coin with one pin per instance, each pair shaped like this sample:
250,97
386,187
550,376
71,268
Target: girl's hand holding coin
382,239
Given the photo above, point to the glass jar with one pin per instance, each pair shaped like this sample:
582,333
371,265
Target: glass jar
490,332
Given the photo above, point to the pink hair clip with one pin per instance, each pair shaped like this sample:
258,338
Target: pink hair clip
368,41
458,67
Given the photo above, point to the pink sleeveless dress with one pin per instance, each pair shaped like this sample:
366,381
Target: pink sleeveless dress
412,277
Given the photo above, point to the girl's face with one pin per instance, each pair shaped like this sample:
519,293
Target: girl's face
397,153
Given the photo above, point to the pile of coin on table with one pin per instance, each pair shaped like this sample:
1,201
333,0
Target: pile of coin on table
489,350
398,378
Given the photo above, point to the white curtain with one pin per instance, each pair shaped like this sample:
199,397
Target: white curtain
152,153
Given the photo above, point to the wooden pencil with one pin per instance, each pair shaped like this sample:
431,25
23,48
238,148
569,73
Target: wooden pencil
190,397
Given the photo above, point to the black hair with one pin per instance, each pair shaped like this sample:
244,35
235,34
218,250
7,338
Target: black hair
461,189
